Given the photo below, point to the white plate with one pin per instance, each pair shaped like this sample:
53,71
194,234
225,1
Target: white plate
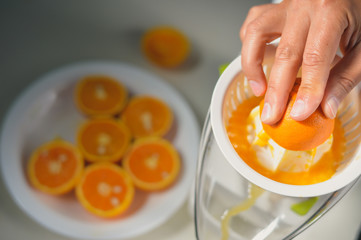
47,110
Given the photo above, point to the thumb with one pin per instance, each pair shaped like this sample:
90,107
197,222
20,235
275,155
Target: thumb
345,75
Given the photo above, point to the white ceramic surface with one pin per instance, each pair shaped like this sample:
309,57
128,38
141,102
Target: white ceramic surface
47,110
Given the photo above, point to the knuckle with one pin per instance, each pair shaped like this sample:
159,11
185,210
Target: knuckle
255,10
307,88
331,6
252,72
287,54
241,33
254,27
327,3
296,4
345,83
247,66
276,92
313,58
273,87
314,90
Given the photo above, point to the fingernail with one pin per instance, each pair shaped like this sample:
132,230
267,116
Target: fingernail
332,106
256,88
298,108
266,112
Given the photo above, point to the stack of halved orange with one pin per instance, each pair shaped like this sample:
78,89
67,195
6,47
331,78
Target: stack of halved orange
106,186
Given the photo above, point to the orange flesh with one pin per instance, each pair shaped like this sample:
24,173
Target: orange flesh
146,116
324,169
91,135
100,95
139,163
91,101
51,157
90,188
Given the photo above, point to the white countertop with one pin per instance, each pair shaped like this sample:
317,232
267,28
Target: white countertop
39,36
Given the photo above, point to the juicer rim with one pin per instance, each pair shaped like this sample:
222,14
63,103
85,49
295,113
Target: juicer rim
338,181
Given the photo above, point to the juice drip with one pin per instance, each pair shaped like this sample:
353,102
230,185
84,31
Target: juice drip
253,193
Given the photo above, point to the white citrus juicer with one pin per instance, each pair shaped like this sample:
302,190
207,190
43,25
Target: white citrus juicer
226,203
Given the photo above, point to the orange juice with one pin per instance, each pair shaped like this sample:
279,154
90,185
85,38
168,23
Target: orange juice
324,169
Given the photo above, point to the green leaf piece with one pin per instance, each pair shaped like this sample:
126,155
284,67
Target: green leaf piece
302,208
222,67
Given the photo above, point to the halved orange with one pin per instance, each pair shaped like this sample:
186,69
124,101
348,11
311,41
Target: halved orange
55,167
103,139
165,46
105,189
100,95
300,135
153,163
147,116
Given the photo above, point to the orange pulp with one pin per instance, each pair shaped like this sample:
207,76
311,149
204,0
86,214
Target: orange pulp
324,169
55,167
105,190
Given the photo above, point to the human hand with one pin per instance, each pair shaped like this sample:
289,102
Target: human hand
312,31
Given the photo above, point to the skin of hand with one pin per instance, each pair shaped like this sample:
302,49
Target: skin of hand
311,31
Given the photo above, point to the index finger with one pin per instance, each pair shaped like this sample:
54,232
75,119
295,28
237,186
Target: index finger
258,33
253,13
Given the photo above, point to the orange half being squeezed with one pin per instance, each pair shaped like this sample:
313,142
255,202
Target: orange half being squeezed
324,169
